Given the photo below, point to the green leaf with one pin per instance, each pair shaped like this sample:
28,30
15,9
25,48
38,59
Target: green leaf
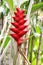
42,0
7,11
37,6
10,3
42,45
36,43
42,60
33,59
38,30
6,41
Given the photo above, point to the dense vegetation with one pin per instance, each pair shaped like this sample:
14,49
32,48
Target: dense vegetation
33,46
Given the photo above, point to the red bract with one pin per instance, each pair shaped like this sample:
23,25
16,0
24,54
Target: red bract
19,26
22,22
15,24
15,36
14,30
22,27
21,33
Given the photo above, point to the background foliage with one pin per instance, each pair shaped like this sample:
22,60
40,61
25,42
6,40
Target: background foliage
35,43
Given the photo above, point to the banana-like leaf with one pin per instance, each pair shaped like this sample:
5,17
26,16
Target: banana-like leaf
37,6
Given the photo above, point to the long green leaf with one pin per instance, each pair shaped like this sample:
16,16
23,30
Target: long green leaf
37,7
6,41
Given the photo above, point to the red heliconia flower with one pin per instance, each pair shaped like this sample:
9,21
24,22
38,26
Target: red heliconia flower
19,27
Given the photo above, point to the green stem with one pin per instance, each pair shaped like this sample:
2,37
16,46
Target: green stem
32,44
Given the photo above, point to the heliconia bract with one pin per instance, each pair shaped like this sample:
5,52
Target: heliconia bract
19,27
